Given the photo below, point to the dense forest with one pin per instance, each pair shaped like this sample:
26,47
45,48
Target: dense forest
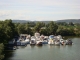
9,30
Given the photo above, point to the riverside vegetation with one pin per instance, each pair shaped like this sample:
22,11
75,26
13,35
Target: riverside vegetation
9,30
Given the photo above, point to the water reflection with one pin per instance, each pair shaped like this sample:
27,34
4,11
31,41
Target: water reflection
39,46
46,52
32,46
9,55
50,46
22,47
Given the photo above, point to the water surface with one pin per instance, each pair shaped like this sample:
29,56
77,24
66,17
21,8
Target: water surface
46,52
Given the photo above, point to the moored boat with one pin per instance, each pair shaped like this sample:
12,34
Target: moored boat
27,40
57,42
23,43
51,42
38,42
45,41
62,42
51,39
69,42
32,42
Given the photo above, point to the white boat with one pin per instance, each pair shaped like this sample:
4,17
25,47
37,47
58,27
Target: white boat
33,41
37,35
45,41
23,43
51,42
57,42
38,42
59,37
62,42
27,41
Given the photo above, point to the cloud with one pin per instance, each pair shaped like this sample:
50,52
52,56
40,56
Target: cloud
40,2
34,15
39,9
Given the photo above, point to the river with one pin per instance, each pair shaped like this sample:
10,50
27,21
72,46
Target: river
46,52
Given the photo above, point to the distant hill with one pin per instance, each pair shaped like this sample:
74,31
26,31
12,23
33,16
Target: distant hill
26,21
67,21
20,21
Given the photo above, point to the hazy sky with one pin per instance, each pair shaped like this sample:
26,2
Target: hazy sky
39,9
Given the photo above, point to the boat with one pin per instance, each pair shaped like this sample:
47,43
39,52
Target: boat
33,40
45,41
38,42
57,42
37,35
62,42
51,37
27,40
23,43
38,39
18,42
51,42
59,37
69,42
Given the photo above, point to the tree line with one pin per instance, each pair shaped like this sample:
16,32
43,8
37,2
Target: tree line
59,28
9,30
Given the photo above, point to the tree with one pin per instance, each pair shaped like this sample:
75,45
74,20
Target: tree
38,26
9,30
71,23
2,34
43,31
21,29
27,29
1,51
65,31
52,27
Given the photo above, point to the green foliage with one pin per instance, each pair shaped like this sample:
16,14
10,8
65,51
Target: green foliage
23,28
38,26
71,23
51,27
9,30
1,51
65,31
43,31
31,24
60,28
2,33
27,29
62,23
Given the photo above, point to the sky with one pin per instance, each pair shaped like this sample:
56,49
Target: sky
39,9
